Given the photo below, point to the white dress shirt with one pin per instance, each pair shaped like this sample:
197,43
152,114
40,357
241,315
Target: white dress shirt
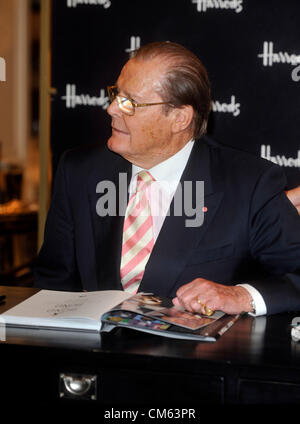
167,175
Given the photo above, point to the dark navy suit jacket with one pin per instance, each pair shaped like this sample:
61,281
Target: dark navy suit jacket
250,233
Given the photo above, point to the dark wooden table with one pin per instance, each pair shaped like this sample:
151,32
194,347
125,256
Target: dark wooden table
255,362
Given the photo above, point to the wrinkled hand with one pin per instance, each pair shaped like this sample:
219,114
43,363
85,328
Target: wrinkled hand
294,196
229,299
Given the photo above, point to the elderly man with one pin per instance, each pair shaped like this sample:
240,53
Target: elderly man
244,255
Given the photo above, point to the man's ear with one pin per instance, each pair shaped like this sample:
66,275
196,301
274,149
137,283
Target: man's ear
182,118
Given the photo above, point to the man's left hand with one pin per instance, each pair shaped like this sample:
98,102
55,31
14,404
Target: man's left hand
200,294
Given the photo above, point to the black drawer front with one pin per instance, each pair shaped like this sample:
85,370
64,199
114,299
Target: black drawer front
268,392
162,388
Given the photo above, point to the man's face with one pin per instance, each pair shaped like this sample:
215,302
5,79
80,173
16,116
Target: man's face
146,138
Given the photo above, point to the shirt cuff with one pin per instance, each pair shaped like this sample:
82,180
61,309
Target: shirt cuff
260,306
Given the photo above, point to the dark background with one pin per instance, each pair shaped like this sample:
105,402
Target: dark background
90,44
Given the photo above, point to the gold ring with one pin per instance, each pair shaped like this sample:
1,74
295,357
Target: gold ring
207,310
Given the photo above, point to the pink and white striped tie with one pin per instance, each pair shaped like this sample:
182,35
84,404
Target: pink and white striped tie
138,238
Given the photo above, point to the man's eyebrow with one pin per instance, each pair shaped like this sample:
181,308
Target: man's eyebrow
126,93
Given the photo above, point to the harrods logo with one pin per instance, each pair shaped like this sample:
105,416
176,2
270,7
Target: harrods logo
74,3
281,160
296,74
135,44
204,5
73,99
269,57
231,107
2,69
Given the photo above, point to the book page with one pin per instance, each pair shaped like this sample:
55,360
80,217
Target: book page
50,304
163,309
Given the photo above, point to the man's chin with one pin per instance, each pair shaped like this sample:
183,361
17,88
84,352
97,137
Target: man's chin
113,145
109,144
116,146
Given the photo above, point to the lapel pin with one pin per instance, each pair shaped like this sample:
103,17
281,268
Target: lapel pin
204,209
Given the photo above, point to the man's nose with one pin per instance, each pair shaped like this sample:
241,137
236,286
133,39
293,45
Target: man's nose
113,109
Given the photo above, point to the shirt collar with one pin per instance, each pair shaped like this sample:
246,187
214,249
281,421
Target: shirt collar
169,171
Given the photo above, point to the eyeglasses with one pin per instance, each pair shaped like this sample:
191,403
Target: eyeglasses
126,104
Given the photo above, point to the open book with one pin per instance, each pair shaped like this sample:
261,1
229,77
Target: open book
105,310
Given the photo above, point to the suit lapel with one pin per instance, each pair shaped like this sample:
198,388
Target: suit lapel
171,250
108,229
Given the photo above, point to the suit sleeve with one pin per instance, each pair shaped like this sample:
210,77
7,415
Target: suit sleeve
55,266
274,229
